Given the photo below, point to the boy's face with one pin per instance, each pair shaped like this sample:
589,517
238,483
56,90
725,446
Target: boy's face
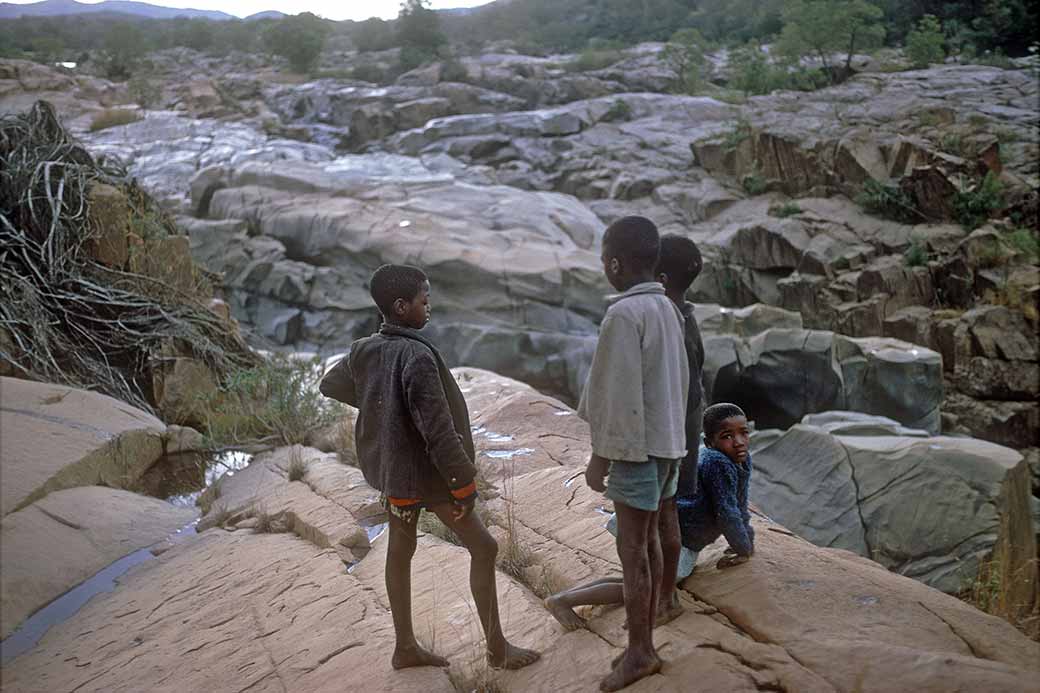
415,313
733,438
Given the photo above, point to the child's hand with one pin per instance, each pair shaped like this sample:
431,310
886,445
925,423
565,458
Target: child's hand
730,561
595,473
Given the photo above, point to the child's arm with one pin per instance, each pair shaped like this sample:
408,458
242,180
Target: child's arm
432,416
338,383
721,484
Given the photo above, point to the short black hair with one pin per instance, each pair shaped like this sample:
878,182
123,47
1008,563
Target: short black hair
391,282
635,241
680,261
715,415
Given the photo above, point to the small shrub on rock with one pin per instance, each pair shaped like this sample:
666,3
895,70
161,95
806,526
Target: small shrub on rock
619,110
1027,244
973,207
787,209
915,255
275,402
754,184
888,202
924,45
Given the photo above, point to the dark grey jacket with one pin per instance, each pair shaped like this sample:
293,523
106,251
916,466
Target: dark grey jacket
694,401
413,432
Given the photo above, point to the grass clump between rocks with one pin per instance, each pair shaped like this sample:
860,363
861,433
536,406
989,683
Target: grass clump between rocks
787,209
916,255
888,202
974,206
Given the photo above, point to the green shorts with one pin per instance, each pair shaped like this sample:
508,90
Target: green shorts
643,485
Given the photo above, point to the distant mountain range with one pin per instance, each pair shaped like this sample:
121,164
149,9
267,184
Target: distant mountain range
54,8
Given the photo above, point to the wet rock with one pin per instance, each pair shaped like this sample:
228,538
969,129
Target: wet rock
52,545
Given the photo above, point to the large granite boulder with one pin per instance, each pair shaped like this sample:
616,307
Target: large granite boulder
933,508
295,245
780,374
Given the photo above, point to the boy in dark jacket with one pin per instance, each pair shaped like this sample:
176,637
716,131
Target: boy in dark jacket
414,446
720,506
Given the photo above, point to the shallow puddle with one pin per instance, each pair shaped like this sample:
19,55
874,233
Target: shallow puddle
29,633
507,454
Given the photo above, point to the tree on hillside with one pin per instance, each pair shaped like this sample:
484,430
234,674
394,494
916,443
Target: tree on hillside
684,53
373,34
924,45
299,39
818,29
123,46
419,34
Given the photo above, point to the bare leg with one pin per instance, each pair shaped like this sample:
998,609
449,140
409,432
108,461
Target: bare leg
407,652
668,607
482,551
641,565
602,591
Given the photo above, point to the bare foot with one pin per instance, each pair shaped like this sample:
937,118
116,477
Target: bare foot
564,614
668,612
629,670
614,662
513,658
416,657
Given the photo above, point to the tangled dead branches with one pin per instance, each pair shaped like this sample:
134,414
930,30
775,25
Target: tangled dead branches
67,317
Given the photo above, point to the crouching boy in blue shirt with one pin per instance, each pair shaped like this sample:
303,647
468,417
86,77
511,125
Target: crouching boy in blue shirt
720,505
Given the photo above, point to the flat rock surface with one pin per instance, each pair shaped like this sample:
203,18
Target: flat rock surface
54,437
245,610
51,546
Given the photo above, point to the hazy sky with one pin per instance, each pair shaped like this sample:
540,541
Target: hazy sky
330,9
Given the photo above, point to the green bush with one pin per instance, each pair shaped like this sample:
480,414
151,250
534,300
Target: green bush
598,54
684,53
888,201
973,207
619,110
732,139
1025,241
454,71
787,209
915,255
275,402
754,184
370,73
924,45
299,39
144,91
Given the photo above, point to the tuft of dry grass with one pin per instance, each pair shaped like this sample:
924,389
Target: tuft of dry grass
476,677
297,466
988,593
266,523
220,513
113,117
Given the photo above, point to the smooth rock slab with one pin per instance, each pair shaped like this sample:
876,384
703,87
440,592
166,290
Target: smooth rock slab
54,437
227,612
61,540
930,508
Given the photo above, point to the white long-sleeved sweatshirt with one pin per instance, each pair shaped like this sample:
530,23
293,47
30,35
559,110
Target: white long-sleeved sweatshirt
635,395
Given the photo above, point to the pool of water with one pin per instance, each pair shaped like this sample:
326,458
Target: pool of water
29,633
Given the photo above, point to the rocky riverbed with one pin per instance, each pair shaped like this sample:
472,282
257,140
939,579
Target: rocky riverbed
891,368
